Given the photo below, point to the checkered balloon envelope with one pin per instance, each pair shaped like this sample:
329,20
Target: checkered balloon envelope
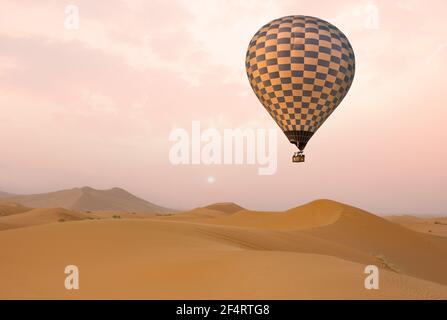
300,68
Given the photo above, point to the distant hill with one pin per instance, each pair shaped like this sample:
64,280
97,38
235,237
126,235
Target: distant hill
86,198
4,195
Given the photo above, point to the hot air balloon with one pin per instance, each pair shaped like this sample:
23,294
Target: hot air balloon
300,68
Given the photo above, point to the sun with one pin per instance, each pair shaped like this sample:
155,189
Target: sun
210,179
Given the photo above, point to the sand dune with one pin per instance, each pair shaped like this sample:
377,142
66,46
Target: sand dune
40,216
13,215
86,198
198,214
398,248
435,226
216,210
227,207
9,208
394,247
318,250
315,214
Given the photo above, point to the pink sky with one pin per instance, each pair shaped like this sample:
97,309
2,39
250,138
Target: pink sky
95,106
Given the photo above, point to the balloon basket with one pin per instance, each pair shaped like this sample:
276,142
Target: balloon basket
298,157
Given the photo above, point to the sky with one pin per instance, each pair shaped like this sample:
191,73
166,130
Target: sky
95,104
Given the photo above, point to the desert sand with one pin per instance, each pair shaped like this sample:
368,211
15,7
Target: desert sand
318,250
